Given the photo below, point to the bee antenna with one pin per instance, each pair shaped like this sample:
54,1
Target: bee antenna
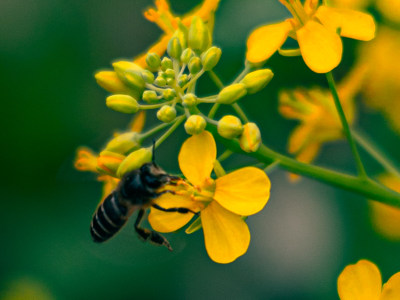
153,158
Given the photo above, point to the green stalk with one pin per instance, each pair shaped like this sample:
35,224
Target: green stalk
213,110
240,112
376,153
245,71
153,131
362,186
216,79
346,127
175,125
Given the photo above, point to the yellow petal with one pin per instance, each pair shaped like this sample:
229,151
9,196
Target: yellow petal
205,11
244,191
137,123
226,234
321,48
308,153
390,9
361,281
353,24
196,158
171,221
300,137
265,40
385,219
391,289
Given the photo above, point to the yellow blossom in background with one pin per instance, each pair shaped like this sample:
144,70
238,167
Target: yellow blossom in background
353,4
386,218
168,22
381,90
222,202
315,27
319,120
88,160
362,281
390,9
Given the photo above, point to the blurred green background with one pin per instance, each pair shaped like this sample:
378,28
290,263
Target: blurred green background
49,51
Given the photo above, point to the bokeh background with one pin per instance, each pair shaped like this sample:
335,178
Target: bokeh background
51,104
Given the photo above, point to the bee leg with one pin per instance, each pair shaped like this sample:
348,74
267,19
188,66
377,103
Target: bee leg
181,210
152,236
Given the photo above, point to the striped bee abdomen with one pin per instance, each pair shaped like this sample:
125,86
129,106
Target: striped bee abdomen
109,218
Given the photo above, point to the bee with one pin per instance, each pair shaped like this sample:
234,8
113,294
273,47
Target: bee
137,190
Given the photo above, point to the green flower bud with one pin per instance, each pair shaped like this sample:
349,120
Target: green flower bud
174,48
162,74
170,81
181,34
131,74
199,35
210,58
153,60
170,73
194,65
166,63
182,80
169,94
166,114
122,103
231,93
124,143
109,81
195,124
189,100
108,162
148,76
257,80
134,161
250,140
160,81
186,55
150,97
229,127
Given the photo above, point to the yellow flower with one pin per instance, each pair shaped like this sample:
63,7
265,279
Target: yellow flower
166,20
385,218
315,27
390,9
319,120
87,160
381,90
353,4
221,202
363,281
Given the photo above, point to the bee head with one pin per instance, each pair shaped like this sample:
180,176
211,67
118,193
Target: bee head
153,176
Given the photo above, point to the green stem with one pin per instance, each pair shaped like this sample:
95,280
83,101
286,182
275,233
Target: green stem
361,186
153,131
240,112
376,153
272,166
346,127
246,70
224,155
214,77
175,125
213,110
154,88
154,106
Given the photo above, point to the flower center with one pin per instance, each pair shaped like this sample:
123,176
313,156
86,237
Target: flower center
297,10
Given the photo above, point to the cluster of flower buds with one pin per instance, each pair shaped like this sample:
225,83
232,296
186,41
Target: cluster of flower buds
168,85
